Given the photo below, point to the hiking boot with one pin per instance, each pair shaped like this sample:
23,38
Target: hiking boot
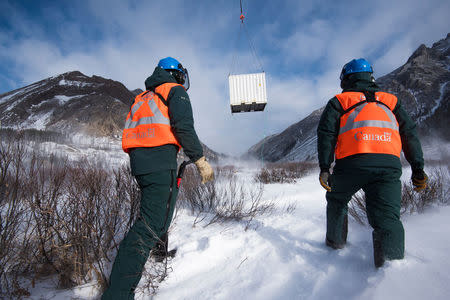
378,255
345,229
334,245
159,251
160,256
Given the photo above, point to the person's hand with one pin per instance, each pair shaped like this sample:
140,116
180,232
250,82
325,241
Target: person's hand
419,180
205,169
324,180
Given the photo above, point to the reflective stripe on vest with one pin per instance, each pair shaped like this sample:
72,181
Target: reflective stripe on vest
370,127
156,118
148,123
352,124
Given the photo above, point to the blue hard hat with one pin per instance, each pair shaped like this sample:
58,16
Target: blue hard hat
356,66
170,63
175,68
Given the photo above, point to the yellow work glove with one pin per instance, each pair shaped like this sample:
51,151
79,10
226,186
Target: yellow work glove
419,180
324,180
205,169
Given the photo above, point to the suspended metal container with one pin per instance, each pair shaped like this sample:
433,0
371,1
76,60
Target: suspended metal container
248,92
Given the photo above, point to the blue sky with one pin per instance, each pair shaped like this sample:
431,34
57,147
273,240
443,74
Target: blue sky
302,46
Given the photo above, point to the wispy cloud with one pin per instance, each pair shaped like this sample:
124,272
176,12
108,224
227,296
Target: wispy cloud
302,44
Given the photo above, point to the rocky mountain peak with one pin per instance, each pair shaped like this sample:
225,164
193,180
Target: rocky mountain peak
74,74
71,102
422,86
419,56
443,45
439,51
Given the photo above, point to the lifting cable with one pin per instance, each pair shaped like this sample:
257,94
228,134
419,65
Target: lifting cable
249,39
255,55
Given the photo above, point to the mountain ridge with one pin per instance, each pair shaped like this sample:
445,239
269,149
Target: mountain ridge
70,102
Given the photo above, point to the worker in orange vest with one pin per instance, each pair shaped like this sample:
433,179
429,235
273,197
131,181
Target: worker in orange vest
159,123
365,130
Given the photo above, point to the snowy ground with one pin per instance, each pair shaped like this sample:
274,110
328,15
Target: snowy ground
283,256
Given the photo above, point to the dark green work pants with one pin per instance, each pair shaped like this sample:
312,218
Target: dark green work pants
382,188
158,196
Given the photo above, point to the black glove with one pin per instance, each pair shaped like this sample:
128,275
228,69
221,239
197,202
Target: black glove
324,180
419,180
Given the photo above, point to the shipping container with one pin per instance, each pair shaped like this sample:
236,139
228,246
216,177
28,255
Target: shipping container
247,92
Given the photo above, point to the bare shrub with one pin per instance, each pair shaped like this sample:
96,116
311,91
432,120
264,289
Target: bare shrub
43,189
227,171
99,208
155,270
436,192
125,187
60,218
290,208
357,208
154,273
33,135
13,235
225,199
287,172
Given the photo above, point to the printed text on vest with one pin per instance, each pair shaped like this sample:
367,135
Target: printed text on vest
148,123
370,127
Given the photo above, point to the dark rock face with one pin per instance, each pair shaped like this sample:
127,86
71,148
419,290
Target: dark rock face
70,102
422,85
137,91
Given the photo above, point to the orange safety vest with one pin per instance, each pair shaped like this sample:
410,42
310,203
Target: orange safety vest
148,122
368,126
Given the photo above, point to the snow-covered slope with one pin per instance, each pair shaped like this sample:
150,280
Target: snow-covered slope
283,256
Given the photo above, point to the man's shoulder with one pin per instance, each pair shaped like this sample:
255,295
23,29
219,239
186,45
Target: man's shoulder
179,92
334,103
332,107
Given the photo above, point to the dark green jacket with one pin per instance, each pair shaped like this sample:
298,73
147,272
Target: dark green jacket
328,130
148,160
